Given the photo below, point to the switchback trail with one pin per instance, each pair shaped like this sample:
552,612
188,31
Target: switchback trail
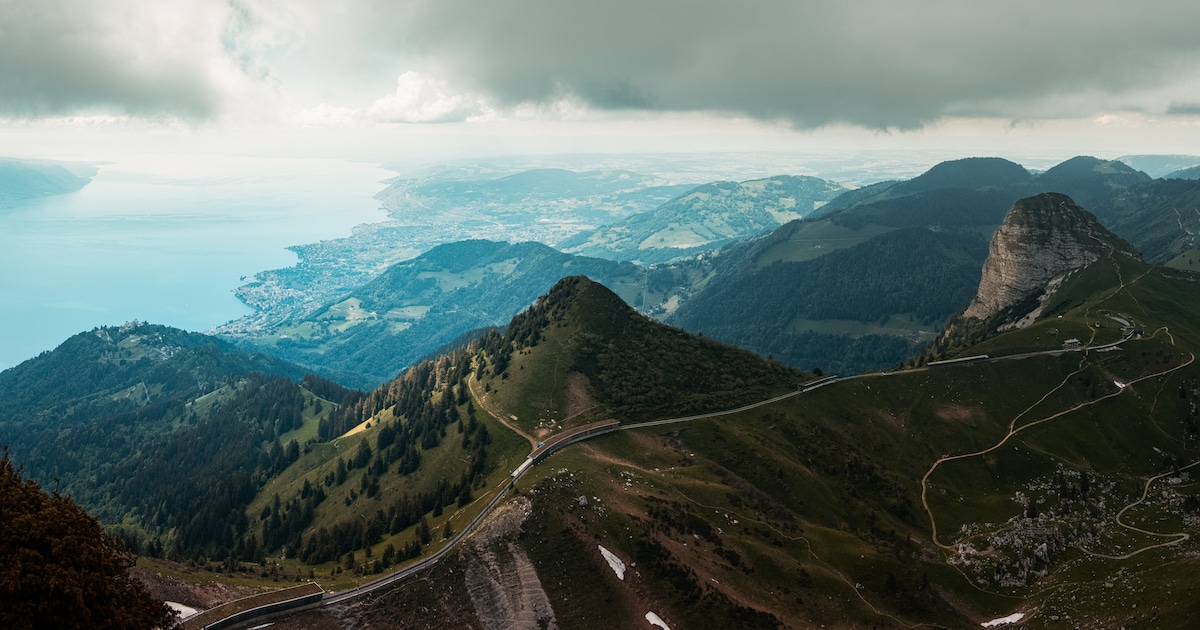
1013,429
1179,537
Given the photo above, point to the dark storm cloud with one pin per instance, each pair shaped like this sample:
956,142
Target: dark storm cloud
876,63
63,57
1184,109
872,63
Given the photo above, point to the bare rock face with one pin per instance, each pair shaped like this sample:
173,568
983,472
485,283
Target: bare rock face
1043,239
500,577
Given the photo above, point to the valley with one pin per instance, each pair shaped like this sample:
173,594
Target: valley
667,482
599,315
512,448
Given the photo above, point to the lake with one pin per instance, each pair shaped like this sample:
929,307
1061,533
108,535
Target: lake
166,239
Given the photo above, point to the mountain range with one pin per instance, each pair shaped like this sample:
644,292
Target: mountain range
705,218
879,271
1034,462
859,284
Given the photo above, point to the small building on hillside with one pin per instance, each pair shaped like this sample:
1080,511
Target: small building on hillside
1072,344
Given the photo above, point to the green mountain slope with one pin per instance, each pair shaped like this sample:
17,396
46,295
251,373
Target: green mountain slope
388,474
371,334
962,202
948,496
158,429
706,218
1161,218
901,285
615,363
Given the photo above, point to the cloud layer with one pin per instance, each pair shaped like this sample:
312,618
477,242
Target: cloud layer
876,63
64,57
873,63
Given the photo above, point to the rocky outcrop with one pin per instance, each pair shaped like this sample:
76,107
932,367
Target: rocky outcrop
1043,240
500,577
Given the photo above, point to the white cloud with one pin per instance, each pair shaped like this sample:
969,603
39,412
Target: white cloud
423,99
60,57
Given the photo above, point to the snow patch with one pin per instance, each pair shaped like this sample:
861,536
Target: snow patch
1013,618
618,567
655,620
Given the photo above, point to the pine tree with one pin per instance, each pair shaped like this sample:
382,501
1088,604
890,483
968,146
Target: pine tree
60,569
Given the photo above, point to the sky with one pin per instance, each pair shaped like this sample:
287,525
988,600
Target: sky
389,79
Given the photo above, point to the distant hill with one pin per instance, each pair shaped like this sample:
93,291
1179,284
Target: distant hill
928,234
705,218
116,368
1185,173
1088,180
21,180
368,336
542,205
520,197
973,173
1160,165
866,306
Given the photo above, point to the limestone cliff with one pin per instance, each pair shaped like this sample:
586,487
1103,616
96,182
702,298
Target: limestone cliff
1043,239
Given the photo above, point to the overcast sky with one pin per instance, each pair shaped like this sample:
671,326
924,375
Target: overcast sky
563,75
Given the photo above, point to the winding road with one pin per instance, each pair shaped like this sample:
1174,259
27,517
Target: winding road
586,432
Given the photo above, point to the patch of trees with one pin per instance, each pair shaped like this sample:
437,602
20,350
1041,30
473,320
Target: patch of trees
426,402
407,510
943,207
411,396
931,275
199,479
60,569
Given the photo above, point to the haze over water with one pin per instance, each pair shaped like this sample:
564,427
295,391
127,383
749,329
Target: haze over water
166,239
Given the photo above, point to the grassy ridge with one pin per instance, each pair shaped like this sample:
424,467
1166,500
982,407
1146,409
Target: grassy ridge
810,510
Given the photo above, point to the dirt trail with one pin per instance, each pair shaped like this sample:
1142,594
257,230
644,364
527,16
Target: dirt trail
1180,537
485,403
1013,429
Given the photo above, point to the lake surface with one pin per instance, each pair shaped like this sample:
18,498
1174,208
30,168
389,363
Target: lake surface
166,239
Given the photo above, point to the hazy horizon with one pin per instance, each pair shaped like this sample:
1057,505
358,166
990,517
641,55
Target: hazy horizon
854,92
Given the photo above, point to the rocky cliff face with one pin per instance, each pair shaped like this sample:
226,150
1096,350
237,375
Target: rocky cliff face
1043,239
